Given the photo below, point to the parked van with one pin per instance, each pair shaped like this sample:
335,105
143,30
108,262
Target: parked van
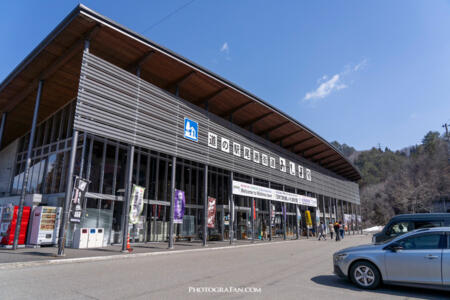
401,224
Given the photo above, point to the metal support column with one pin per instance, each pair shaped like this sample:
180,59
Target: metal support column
353,217
336,209
323,213
284,220
297,227
205,206
284,213
68,196
270,218
252,212
2,127
231,209
330,209
360,225
172,202
127,196
27,164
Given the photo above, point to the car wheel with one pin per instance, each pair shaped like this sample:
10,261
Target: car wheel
365,275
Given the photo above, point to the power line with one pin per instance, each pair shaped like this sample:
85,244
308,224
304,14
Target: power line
168,16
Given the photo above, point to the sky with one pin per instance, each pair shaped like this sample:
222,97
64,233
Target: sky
364,73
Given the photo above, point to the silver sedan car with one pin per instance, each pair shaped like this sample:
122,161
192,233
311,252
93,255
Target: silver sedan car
419,258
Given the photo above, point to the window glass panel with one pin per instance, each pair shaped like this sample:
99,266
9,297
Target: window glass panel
65,166
96,166
429,241
109,169
399,228
49,173
121,166
426,224
57,172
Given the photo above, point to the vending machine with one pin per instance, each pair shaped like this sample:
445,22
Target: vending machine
45,222
8,224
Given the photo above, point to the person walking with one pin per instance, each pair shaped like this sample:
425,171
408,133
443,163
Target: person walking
331,229
322,231
341,229
336,231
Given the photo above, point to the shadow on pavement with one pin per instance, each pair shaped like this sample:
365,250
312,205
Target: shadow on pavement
334,281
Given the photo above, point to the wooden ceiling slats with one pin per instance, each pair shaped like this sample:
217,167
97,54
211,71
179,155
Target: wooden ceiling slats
164,70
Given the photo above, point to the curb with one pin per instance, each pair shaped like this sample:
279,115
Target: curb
16,265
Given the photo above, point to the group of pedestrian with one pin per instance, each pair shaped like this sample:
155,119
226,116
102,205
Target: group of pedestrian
336,228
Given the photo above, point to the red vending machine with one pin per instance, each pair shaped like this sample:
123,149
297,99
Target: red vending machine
8,224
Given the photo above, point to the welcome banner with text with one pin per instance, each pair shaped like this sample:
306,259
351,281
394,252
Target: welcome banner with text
250,190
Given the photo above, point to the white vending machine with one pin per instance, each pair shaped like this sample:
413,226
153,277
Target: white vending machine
45,221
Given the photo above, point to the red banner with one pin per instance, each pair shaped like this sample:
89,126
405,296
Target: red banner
254,209
211,212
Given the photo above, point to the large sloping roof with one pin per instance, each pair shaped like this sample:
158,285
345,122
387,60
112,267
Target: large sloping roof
57,59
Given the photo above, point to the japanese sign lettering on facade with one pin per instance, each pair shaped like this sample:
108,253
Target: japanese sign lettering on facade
292,168
272,162
300,172
212,140
282,165
308,174
247,153
264,159
191,132
256,156
236,149
225,145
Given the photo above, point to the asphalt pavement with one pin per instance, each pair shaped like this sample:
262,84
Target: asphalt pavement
283,270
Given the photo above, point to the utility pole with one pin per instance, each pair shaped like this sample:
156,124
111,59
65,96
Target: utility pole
448,141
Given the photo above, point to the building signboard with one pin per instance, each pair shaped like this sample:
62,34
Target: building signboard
224,144
190,130
250,190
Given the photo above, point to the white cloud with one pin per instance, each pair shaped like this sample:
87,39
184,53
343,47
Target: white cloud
360,66
225,48
335,83
325,88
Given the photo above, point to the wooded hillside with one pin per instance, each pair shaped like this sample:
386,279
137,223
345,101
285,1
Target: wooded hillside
406,181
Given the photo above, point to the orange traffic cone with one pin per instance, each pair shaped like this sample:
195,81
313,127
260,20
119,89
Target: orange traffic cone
128,244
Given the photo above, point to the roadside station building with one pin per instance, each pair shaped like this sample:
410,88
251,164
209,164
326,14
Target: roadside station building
105,98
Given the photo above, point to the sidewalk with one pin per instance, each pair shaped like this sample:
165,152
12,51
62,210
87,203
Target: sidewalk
46,255
49,253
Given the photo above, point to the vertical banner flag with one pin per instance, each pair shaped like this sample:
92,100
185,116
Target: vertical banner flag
299,215
136,203
211,212
178,211
308,218
273,214
78,192
254,209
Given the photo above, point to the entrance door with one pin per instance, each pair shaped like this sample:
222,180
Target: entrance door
242,220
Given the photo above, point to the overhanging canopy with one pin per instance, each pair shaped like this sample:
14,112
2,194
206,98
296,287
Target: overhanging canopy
57,60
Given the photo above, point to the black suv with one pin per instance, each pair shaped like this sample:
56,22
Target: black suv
404,223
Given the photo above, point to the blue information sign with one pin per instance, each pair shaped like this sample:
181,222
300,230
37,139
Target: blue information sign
190,130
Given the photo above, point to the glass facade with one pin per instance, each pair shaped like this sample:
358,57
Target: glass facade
103,162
